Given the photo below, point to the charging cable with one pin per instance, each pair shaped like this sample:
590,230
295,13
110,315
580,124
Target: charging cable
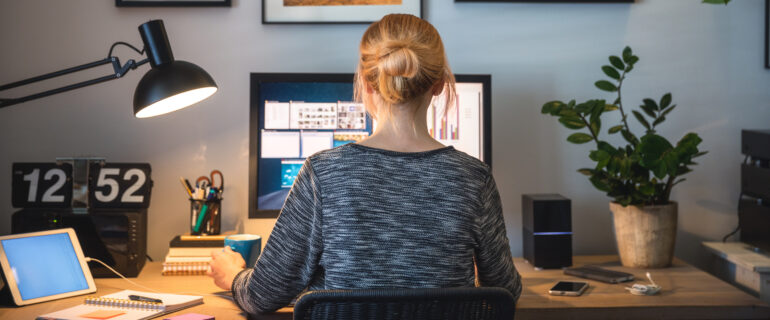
644,289
89,259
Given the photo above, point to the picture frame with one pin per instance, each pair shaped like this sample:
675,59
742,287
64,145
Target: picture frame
173,3
553,1
335,11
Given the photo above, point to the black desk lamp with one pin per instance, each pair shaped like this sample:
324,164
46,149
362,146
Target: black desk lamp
169,86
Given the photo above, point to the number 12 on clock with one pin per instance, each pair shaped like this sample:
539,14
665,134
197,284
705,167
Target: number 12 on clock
41,185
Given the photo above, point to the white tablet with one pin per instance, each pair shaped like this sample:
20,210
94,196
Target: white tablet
43,266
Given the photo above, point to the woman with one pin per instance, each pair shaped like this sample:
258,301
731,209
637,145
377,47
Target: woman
396,210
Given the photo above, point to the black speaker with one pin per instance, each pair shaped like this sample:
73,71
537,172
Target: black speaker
118,237
547,223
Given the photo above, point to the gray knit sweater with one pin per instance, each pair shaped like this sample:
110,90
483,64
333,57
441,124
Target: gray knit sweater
359,217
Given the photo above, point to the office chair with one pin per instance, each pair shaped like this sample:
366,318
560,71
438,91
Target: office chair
395,304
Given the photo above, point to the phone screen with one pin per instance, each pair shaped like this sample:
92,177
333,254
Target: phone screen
568,286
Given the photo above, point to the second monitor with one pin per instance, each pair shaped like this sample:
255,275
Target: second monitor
294,115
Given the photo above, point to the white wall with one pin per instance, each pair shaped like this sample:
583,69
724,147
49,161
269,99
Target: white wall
709,57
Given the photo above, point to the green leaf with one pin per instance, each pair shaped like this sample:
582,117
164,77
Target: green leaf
584,107
649,111
599,183
627,54
665,101
641,119
596,125
633,60
586,171
647,189
724,2
651,149
630,137
664,113
573,123
579,138
660,170
617,63
700,154
611,72
551,107
610,107
615,129
597,110
567,113
606,147
651,104
672,163
658,121
606,86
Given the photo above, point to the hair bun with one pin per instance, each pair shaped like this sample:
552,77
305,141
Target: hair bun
397,59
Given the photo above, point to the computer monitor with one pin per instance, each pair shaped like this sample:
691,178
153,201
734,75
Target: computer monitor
293,116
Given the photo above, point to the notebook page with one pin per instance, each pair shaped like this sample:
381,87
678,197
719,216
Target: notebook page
171,301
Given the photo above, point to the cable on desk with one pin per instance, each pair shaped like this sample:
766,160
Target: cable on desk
89,259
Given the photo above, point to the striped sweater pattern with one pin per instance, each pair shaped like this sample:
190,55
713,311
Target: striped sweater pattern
362,218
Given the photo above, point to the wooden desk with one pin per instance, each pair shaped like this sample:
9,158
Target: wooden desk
220,307
687,293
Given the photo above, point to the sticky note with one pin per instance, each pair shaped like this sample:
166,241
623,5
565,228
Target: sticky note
191,316
102,314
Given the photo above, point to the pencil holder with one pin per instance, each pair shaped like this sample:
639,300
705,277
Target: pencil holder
205,216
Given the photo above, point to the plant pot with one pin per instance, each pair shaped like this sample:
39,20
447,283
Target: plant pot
645,235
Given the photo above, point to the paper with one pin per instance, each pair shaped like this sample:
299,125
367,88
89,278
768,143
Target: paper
102,314
313,142
313,115
191,316
276,115
277,144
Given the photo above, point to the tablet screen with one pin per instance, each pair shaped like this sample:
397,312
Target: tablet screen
44,265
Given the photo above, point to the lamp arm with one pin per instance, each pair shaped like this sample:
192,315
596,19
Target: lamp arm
119,71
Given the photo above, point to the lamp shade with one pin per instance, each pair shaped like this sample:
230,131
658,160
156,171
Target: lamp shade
170,87
171,84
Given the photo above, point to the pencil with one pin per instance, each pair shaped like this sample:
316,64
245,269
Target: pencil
186,186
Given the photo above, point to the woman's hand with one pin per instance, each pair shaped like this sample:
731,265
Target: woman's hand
224,266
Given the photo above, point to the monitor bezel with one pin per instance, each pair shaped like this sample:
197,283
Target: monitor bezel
256,79
10,281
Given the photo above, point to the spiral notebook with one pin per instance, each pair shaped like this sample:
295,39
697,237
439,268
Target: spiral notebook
118,306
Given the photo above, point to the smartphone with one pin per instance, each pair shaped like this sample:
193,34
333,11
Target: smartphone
568,288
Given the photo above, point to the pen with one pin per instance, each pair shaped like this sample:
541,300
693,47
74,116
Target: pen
201,215
144,299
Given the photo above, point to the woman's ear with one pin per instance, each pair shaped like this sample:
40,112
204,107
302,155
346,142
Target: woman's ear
437,88
369,88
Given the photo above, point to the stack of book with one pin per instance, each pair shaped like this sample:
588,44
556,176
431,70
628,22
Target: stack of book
190,255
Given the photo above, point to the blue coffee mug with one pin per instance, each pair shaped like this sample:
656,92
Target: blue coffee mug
248,245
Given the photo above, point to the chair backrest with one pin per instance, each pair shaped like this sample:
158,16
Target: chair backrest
392,304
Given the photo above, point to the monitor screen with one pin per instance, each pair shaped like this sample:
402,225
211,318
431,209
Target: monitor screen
296,115
53,269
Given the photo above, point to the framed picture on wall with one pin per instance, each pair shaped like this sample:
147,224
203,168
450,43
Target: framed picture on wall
173,3
335,11
559,1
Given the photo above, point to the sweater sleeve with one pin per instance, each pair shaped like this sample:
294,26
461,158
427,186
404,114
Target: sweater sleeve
493,254
292,253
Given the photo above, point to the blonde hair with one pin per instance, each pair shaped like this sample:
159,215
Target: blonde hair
401,58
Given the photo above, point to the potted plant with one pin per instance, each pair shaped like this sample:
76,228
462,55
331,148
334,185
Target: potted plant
639,174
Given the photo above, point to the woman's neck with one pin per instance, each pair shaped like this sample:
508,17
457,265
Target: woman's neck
403,129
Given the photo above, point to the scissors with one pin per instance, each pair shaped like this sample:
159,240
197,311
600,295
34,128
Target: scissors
204,181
